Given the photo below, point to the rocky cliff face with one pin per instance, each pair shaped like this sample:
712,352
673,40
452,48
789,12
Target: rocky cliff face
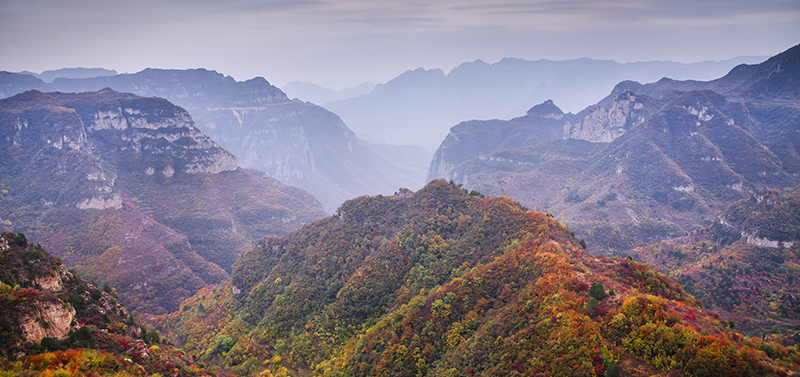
40,299
303,145
48,316
150,125
83,130
46,319
543,123
298,143
128,191
603,125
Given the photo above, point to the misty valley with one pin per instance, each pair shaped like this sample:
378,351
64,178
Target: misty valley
522,218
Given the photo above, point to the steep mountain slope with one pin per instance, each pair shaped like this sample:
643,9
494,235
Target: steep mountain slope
69,326
635,169
304,145
126,189
746,266
296,142
419,106
441,282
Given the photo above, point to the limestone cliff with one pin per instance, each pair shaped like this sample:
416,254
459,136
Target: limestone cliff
42,314
83,131
46,319
603,125
40,298
298,143
128,191
151,125
480,140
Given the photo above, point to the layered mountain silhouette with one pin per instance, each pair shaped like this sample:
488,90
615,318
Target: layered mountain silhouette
419,106
72,73
296,142
647,162
126,190
307,91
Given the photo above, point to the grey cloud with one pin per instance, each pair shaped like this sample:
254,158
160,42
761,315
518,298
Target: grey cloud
627,8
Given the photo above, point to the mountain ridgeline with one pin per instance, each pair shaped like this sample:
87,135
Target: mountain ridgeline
418,106
446,282
648,162
126,189
296,142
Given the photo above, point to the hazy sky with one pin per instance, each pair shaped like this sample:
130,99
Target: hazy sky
341,43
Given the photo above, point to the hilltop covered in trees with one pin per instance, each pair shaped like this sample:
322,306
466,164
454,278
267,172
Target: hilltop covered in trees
446,282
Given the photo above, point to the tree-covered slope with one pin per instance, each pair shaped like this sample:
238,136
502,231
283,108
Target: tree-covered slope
126,190
53,322
747,266
444,282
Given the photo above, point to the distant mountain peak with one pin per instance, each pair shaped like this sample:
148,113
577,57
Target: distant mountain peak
546,109
74,73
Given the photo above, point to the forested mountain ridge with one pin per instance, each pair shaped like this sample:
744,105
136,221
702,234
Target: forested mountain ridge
746,265
129,192
446,282
641,167
295,142
53,322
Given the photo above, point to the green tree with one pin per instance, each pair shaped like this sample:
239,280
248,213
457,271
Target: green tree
592,305
597,291
20,240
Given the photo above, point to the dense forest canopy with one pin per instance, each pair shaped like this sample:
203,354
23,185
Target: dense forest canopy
448,282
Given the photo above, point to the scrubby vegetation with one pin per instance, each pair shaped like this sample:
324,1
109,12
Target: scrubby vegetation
747,267
97,334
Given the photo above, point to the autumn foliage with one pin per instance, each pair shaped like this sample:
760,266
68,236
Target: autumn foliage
446,283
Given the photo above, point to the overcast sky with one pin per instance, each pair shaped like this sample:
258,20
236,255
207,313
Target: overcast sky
341,43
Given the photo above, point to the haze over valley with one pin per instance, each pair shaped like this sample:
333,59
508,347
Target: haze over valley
339,188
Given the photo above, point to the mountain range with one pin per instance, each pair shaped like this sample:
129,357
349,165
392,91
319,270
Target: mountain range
418,106
72,73
128,191
246,274
296,142
647,162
